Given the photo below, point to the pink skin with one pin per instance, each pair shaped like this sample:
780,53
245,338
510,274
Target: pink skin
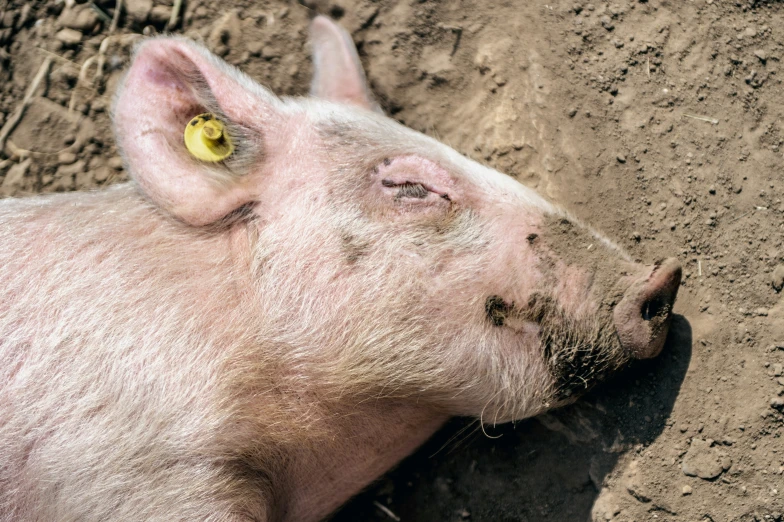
260,339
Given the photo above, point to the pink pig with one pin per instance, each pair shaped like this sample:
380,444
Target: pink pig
261,337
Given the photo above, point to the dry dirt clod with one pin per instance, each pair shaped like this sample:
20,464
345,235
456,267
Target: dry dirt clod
777,278
69,37
66,158
79,17
226,32
138,10
14,181
115,162
704,461
160,14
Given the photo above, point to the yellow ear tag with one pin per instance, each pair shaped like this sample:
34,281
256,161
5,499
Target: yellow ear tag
206,138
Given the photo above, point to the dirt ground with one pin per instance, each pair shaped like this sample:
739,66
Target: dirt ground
658,122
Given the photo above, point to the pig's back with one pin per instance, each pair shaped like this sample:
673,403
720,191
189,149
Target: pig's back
115,327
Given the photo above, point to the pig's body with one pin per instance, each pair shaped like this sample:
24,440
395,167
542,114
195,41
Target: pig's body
258,339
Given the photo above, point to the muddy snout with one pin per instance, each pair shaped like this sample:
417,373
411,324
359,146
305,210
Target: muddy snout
643,316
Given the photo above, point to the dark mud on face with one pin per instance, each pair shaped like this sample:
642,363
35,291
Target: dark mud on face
580,348
579,352
575,245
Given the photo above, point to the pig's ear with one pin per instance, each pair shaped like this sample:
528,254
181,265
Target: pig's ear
338,74
169,83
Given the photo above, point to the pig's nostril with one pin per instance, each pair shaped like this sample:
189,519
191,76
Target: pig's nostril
656,307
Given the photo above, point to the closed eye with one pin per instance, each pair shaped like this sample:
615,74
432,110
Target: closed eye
411,190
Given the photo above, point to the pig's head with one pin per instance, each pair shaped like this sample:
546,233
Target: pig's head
382,262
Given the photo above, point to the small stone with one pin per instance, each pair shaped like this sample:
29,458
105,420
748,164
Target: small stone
607,23
115,162
638,492
778,370
160,14
101,174
79,17
572,113
255,47
686,490
8,19
75,168
268,52
636,236
66,158
138,10
68,36
777,403
750,31
777,278
64,178
762,55
621,158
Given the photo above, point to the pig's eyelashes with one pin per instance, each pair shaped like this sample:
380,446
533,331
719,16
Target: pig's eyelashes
409,190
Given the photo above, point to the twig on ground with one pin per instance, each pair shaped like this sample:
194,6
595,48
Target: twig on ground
58,57
80,80
175,14
714,121
100,12
388,512
20,109
116,17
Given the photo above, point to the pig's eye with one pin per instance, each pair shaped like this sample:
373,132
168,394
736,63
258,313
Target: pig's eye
409,189
412,183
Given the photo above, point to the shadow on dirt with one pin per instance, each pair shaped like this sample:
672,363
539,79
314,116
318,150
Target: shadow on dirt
551,467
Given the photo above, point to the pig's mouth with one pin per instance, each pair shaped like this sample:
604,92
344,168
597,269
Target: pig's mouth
579,352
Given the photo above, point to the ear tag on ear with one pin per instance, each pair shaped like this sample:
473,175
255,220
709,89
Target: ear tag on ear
206,138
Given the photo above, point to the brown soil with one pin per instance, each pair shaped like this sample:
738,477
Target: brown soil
658,122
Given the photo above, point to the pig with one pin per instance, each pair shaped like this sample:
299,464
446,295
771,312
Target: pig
260,337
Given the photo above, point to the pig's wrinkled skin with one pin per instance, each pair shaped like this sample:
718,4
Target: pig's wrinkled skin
261,338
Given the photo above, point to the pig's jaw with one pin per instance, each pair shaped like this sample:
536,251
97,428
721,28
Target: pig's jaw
360,445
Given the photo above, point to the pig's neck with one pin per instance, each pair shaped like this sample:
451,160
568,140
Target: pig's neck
359,446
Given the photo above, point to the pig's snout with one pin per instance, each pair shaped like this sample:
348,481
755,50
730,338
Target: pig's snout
642,318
